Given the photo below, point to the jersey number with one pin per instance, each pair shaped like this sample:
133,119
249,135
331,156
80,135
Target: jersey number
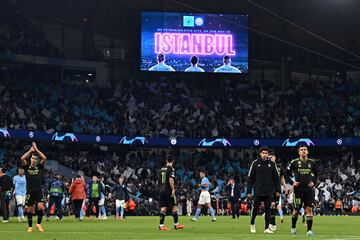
163,177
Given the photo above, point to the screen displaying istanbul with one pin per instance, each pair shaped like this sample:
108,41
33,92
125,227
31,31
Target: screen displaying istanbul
194,42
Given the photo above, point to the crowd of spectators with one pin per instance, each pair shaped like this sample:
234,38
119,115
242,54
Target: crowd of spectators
35,99
19,35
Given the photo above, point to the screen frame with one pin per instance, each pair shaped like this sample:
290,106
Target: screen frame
194,74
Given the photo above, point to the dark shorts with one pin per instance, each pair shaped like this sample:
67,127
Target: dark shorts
275,200
305,197
166,200
34,197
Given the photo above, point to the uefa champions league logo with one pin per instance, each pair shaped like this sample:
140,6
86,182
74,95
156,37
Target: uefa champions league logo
134,140
59,137
222,141
98,138
306,141
256,142
31,134
5,132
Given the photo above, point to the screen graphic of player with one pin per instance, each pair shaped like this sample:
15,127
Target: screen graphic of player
161,66
194,68
227,68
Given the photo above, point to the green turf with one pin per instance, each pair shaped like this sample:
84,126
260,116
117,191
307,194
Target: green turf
147,228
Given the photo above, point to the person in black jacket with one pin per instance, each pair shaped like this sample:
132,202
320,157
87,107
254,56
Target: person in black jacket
121,197
264,177
233,192
6,187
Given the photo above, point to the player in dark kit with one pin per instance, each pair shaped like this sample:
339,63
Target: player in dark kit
276,201
305,174
167,197
34,171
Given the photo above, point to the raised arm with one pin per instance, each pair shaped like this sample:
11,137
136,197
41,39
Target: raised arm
41,154
25,157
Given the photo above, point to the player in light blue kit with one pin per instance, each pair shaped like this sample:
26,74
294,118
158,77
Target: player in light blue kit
194,68
204,198
19,182
227,68
161,66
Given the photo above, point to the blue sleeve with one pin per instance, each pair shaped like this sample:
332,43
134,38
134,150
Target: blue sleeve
205,181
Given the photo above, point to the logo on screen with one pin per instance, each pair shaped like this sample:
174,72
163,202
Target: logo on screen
188,21
218,141
199,21
306,141
5,132
59,137
136,140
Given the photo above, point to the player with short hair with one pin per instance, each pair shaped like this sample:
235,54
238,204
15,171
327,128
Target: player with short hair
102,210
276,201
121,196
264,177
161,66
306,176
34,171
194,65
95,191
204,198
19,182
167,197
227,68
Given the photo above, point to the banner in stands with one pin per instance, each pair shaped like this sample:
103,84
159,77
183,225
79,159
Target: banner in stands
176,142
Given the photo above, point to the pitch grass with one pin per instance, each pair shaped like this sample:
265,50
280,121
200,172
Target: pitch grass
344,228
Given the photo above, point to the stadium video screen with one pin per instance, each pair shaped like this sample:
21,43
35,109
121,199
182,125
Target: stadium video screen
194,42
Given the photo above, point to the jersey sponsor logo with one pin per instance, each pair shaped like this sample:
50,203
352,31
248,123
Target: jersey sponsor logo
126,141
217,141
33,171
289,143
59,137
5,132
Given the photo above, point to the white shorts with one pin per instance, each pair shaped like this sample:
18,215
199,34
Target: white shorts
20,200
204,198
102,202
280,201
119,203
